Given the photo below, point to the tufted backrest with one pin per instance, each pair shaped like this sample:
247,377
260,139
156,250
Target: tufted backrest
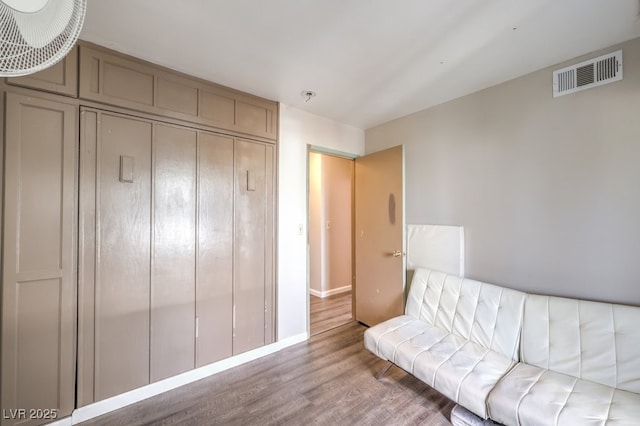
595,341
486,314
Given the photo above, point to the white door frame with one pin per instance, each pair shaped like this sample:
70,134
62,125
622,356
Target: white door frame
335,153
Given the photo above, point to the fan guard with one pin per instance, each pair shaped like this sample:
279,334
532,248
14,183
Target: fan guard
36,34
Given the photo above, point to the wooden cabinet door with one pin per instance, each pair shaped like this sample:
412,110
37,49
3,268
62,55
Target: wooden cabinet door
115,259
176,251
39,271
253,248
123,81
173,287
215,248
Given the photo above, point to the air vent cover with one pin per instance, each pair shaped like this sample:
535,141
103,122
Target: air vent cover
585,75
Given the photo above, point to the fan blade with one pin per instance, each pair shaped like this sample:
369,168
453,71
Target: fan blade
54,17
25,6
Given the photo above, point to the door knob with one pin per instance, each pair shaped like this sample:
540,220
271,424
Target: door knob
396,253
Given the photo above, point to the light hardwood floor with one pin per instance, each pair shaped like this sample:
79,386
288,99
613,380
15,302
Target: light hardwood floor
327,380
329,312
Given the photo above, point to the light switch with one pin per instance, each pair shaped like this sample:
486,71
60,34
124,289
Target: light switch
126,169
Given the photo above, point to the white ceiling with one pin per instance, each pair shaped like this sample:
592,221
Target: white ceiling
369,61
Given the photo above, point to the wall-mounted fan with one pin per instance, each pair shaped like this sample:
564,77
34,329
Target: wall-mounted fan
36,34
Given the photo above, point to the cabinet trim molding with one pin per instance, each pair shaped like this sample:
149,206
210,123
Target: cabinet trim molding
116,79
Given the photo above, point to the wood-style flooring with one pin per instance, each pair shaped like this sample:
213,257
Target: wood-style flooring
329,312
327,380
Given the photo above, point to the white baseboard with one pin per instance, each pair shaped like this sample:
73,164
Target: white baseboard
323,294
315,292
111,404
62,422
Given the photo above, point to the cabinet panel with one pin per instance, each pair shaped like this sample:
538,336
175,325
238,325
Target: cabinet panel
249,248
215,248
87,256
218,108
126,82
176,94
173,272
60,78
38,279
255,117
112,79
269,245
123,256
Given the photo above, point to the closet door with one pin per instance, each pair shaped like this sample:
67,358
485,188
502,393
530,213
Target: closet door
253,251
176,251
123,254
38,277
215,248
173,285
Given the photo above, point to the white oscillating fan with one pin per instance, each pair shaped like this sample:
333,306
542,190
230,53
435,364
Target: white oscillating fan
36,34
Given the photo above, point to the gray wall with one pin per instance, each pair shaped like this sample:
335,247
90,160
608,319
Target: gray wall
548,190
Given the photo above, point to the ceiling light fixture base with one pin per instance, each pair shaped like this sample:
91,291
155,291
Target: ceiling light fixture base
308,94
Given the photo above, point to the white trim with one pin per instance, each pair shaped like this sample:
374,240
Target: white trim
111,404
66,421
315,293
323,294
329,151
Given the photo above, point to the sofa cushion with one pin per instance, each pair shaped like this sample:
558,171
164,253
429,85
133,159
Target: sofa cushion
595,341
530,395
486,314
462,370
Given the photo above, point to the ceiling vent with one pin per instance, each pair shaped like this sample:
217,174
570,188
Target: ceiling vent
585,75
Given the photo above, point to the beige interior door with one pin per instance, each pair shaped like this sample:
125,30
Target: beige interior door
379,236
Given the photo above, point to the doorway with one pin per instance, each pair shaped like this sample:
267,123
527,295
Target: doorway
330,224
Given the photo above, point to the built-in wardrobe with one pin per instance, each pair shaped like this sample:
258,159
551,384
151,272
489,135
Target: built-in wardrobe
138,230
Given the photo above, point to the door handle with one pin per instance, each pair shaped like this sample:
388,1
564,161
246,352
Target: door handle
396,253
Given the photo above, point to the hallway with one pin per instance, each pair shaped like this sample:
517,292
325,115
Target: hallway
330,312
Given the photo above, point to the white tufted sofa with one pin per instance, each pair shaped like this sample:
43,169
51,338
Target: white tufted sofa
459,336
517,358
580,365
